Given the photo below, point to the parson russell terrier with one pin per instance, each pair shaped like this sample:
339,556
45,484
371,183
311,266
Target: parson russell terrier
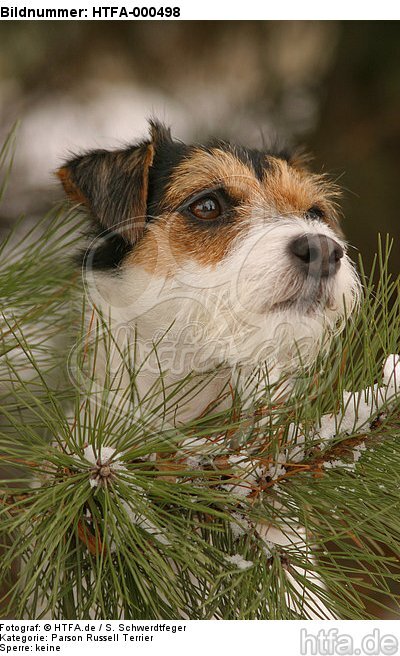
209,258
230,259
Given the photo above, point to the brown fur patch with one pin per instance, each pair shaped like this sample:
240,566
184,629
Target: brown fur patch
72,191
207,169
291,190
172,240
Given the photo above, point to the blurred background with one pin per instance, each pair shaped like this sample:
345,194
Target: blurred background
331,86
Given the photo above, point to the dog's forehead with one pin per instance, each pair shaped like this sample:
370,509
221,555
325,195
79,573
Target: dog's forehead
203,168
179,170
248,175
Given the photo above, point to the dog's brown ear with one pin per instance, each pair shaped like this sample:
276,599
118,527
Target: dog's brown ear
113,185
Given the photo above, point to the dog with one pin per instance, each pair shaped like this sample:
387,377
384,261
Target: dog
213,263
234,256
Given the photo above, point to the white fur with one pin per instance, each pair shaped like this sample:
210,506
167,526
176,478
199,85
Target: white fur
229,315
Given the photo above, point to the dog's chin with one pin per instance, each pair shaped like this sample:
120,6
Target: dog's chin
307,305
295,331
311,299
289,337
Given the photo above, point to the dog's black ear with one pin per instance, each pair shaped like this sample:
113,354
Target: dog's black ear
159,132
113,185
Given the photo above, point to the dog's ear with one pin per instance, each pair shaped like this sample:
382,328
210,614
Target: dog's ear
113,185
159,133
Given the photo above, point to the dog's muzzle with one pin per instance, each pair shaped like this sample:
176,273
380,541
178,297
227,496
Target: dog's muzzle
316,255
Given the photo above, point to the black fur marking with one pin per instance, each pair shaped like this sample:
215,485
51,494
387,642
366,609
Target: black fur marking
168,155
108,252
255,159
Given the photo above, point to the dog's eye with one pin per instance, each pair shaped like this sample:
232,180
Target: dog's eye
207,208
315,212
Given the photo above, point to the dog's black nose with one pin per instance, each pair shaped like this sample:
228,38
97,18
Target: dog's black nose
317,255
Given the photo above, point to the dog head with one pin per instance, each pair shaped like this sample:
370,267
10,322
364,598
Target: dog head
239,250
